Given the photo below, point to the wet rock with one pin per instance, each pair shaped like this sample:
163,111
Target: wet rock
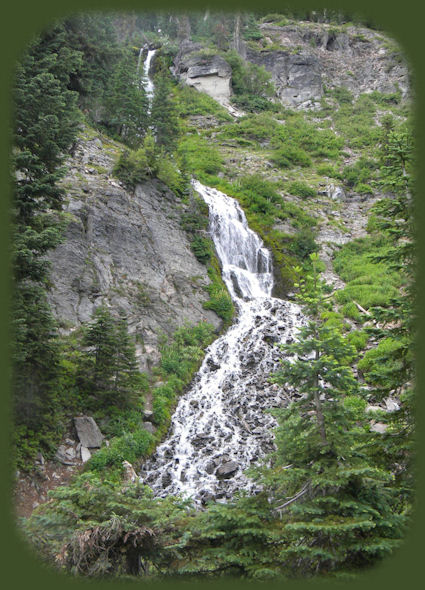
166,479
148,414
391,405
209,467
212,364
227,470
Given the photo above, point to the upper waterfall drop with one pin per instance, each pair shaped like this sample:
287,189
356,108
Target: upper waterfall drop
247,265
145,79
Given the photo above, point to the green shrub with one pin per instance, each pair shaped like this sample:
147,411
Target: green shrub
201,247
350,310
361,172
387,98
329,170
301,189
131,447
255,127
303,244
200,155
379,363
342,95
193,102
249,79
358,338
288,156
253,104
363,189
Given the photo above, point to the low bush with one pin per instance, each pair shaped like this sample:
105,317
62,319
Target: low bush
301,189
329,170
379,363
200,156
193,102
288,156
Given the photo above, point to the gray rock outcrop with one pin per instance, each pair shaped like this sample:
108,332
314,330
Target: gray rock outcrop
88,432
316,55
297,78
208,73
127,251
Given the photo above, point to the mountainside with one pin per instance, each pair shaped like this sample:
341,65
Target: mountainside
213,310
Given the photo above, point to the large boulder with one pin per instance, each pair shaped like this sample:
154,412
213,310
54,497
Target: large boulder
227,469
88,432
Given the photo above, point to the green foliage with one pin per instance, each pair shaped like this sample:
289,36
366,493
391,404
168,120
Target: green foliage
251,83
342,95
200,155
101,528
288,156
126,103
192,102
164,112
301,189
45,126
329,170
369,283
180,358
131,447
323,484
108,373
356,123
138,165
361,172
220,300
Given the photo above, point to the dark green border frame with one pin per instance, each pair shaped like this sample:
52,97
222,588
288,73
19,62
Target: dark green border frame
403,21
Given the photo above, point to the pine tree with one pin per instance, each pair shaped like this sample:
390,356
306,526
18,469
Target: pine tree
126,103
45,127
108,373
164,114
337,506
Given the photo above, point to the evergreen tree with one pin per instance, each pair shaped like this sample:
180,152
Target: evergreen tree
337,506
164,114
126,103
109,375
45,127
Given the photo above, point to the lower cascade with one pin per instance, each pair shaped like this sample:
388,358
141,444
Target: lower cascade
220,426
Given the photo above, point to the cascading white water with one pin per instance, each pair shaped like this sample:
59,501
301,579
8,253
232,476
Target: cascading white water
145,80
219,427
149,86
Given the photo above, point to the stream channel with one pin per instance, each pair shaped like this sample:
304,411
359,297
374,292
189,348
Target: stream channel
220,426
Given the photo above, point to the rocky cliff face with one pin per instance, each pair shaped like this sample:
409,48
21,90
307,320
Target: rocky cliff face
304,59
127,251
208,73
315,56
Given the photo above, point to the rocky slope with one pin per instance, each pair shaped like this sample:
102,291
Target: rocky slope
125,250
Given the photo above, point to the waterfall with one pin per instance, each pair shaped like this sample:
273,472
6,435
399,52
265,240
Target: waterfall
220,426
145,80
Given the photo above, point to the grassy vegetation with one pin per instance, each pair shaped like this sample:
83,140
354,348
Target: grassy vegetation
369,283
